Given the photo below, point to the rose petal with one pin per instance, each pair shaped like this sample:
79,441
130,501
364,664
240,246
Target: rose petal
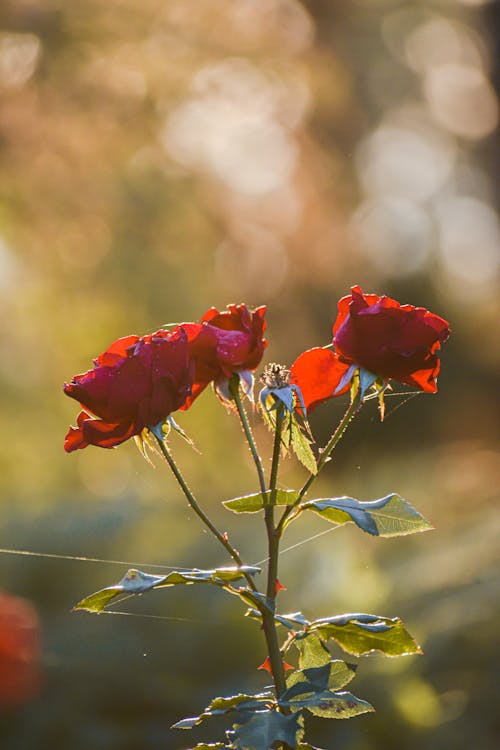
318,372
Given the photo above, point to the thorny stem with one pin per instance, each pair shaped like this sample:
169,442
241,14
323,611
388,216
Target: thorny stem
235,392
200,513
291,512
268,624
273,537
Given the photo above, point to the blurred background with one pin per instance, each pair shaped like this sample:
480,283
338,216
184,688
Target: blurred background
159,157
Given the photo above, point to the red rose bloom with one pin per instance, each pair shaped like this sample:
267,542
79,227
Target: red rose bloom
395,341
318,372
136,383
224,343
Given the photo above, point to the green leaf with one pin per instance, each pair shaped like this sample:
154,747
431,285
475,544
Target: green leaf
313,652
261,730
305,681
240,702
210,746
332,676
388,516
302,447
253,599
229,575
341,674
306,746
360,634
332,705
218,706
137,582
257,501
293,621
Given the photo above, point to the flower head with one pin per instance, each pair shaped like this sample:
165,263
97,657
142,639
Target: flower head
279,391
377,338
224,343
135,383
397,342
275,376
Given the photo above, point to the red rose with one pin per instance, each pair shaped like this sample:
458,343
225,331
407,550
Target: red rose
19,651
136,383
398,342
318,372
224,343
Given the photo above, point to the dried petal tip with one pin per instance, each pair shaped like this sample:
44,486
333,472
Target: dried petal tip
275,376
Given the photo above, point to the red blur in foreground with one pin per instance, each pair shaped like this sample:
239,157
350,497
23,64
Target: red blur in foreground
136,383
223,343
398,342
19,651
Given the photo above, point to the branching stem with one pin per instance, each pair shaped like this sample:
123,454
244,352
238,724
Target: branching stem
268,623
201,513
235,393
291,511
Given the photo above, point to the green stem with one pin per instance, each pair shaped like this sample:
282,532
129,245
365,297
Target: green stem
235,392
291,512
268,623
273,537
200,513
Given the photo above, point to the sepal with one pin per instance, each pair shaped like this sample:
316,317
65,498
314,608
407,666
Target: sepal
224,387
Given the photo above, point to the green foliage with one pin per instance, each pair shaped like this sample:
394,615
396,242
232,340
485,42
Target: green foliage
137,582
295,433
301,446
219,706
293,621
333,675
257,501
312,651
361,634
357,633
316,689
262,730
389,516
331,705
254,599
